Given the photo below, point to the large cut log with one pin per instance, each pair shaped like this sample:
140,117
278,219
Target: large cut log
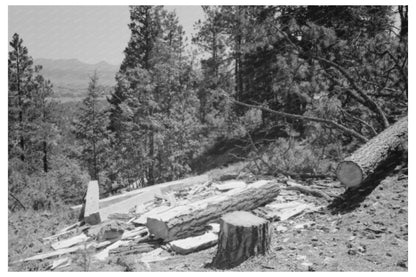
363,163
242,236
190,220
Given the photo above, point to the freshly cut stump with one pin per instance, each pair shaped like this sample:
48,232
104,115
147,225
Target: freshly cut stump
371,156
242,235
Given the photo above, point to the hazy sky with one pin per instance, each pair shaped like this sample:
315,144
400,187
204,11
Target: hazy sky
88,33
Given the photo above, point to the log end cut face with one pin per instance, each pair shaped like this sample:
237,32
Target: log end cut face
243,219
349,174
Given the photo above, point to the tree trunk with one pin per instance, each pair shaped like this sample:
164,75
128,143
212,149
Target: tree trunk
189,220
45,157
242,235
372,155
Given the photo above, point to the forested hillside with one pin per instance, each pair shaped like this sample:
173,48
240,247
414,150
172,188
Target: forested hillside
260,97
320,80
316,81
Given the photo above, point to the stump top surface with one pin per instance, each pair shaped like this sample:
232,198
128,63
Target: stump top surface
242,218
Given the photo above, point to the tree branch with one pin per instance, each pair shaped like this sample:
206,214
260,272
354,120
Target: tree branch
368,101
373,131
306,118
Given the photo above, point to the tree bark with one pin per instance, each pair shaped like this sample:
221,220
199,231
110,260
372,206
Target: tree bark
372,155
190,220
242,236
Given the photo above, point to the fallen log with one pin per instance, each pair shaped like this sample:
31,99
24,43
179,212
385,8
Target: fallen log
189,220
371,156
242,235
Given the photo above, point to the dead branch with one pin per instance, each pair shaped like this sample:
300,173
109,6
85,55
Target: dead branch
306,118
17,200
306,190
368,101
371,128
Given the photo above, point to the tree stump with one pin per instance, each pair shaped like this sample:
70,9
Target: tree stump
242,235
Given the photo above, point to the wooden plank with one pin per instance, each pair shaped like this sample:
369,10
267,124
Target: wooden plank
92,210
229,185
140,231
129,204
142,220
101,256
282,211
194,244
69,242
164,188
57,252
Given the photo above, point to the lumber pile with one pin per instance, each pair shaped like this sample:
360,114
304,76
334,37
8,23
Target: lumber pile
175,218
187,220
370,157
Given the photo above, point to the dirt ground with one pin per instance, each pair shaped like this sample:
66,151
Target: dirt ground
360,230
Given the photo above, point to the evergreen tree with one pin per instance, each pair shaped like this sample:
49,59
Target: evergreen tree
20,72
152,77
91,130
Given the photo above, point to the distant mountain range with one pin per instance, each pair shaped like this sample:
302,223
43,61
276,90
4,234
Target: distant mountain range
70,77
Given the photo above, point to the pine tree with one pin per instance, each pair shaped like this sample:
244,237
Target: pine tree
43,113
152,77
20,72
91,130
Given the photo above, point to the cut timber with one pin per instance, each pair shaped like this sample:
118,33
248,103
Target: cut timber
189,220
372,155
229,185
59,252
142,220
163,188
141,231
242,236
142,247
282,211
194,244
129,204
91,211
101,256
69,242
